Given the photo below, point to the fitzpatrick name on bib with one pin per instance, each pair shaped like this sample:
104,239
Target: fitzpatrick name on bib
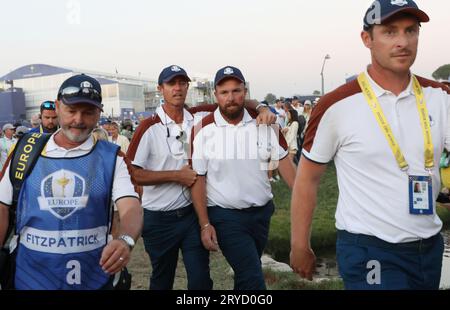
62,193
63,242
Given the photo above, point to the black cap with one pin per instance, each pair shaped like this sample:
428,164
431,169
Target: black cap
228,72
170,72
81,89
381,10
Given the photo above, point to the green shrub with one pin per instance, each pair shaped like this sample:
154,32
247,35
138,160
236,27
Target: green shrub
323,235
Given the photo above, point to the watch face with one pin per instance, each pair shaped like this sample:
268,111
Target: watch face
128,240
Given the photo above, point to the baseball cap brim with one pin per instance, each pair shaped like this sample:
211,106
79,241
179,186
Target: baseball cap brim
171,77
8,126
421,15
229,77
82,100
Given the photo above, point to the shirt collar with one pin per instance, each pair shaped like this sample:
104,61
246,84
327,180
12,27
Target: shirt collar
85,146
166,120
379,91
221,122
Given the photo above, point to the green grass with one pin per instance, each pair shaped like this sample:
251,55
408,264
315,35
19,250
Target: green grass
290,281
323,235
140,268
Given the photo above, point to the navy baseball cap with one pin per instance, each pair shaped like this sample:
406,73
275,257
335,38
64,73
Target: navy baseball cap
381,10
228,72
81,88
170,72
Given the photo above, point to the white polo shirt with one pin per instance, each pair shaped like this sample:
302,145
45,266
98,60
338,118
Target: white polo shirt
122,186
158,149
5,146
373,191
234,159
281,117
121,141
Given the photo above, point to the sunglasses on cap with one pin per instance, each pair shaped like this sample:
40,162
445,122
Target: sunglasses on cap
71,92
48,105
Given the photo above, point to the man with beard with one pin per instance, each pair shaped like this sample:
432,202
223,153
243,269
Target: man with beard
232,194
49,119
385,132
159,153
64,206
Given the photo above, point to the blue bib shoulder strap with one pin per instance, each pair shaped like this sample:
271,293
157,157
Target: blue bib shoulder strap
25,155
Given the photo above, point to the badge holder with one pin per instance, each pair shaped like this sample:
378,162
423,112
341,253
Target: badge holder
420,195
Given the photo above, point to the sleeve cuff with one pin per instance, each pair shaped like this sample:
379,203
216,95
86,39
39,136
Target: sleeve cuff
307,156
6,204
128,196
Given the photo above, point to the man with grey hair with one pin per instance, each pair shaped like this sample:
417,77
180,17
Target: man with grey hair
63,213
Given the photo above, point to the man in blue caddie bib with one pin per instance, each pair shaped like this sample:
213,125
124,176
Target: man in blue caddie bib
64,206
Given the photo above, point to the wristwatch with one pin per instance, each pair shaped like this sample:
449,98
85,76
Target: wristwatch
128,240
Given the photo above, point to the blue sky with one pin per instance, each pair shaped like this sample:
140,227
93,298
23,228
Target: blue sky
279,44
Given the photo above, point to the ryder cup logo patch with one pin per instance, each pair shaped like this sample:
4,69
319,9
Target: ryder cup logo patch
228,71
86,84
62,193
175,69
399,2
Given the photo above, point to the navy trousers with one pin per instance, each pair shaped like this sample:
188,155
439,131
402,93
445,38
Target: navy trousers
164,234
242,237
369,263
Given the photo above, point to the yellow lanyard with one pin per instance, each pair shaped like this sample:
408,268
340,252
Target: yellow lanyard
384,125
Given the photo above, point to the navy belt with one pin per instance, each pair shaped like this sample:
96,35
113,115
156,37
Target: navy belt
366,240
255,208
173,213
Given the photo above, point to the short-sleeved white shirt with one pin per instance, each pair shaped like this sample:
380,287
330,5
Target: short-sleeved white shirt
234,159
281,117
5,146
373,191
159,149
122,186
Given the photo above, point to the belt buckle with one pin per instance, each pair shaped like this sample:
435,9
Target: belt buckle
179,212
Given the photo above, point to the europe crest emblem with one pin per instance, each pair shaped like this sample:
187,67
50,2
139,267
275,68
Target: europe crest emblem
63,193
